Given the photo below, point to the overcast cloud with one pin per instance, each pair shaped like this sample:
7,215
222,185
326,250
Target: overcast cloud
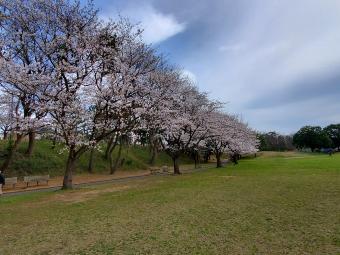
276,63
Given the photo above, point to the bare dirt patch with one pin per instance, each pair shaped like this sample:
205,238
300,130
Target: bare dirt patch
81,196
227,176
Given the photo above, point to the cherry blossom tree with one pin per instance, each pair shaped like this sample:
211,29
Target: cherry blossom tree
7,106
127,90
157,106
220,132
92,81
99,77
22,72
243,141
184,128
228,135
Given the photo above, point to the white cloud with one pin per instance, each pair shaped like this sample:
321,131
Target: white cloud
276,48
267,48
190,75
159,27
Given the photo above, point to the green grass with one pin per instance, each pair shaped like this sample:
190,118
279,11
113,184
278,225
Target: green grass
46,160
273,204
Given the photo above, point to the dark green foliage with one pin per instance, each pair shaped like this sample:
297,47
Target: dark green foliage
313,137
273,141
333,132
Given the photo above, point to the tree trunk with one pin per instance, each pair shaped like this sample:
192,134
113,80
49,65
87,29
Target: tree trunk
197,159
11,151
206,159
154,153
108,150
218,160
5,134
90,166
31,141
176,164
154,150
235,158
68,176
114,167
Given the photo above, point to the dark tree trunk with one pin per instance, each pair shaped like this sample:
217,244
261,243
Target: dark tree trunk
11,151
206,158
218,160
114,166
235,158
31,141
109,149
197,159
68,176
154,153
153,156
90,166
5,134
154,150
176,164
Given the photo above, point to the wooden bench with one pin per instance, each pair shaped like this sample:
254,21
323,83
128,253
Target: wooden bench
37,179
11,181
154,170
160,170
166,169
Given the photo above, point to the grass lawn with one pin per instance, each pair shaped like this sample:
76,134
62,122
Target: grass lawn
274,204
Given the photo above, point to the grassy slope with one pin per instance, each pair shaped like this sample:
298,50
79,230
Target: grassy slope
270,205
46,160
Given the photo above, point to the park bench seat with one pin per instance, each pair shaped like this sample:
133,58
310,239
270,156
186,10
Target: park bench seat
154,170
166,169
36,179
159,170
11,181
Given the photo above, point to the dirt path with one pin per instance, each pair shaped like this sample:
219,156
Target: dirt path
56,182
94,179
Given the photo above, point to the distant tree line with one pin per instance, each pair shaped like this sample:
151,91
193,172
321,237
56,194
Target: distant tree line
317,138
273,141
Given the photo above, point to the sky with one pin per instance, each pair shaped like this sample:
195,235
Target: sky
275,63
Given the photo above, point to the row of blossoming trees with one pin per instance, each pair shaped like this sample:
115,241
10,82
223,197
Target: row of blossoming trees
90,82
